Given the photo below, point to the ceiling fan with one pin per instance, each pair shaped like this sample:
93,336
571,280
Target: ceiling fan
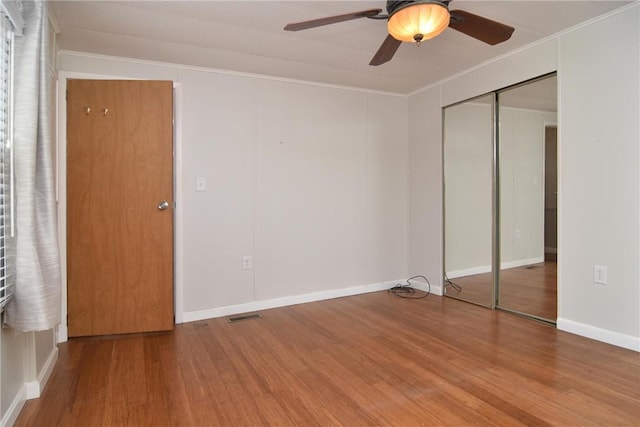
416,21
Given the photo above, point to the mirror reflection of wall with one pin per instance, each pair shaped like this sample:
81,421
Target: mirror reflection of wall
468,180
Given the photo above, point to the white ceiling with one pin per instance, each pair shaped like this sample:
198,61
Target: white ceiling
247,36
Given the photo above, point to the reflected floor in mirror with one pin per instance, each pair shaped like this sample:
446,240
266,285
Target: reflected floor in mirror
531,289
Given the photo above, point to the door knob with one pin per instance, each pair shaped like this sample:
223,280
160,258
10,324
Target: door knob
163,205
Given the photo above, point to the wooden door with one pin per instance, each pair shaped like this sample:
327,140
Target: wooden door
119,170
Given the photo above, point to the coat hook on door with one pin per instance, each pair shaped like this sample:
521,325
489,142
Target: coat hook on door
105,111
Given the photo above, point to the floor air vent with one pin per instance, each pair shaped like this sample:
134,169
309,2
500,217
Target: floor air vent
236,319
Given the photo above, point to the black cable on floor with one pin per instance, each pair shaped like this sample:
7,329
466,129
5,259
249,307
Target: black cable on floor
408,291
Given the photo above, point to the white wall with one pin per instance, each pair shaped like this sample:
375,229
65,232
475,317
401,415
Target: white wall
425,188
309,180
598,73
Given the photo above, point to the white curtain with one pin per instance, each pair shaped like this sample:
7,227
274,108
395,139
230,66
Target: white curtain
36,305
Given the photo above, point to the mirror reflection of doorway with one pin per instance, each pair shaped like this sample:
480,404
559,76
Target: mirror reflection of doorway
521,275
527,281
551,193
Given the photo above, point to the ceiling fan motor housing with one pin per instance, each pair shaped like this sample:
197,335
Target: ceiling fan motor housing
393,6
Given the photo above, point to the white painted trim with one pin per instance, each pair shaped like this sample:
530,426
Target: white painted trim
437,290
599,334
487,268
420,285
11,416
552,37
33,389
225,72
210,313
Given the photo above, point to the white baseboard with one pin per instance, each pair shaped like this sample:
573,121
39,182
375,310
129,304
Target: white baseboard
192,316
47,369
33,389
487,268
598,334
11,416
435,290
30,390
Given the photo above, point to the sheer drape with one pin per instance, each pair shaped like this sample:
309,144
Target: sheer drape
36,305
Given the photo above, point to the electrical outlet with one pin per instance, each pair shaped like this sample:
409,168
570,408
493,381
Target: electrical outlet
247,263
600,274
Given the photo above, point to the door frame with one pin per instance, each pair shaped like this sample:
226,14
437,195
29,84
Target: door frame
61,191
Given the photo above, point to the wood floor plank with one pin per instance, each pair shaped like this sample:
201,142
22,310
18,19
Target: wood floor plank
371,359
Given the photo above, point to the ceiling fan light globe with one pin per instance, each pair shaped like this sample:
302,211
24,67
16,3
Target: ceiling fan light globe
428,18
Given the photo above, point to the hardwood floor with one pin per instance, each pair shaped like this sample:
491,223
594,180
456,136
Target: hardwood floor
371,359
531,289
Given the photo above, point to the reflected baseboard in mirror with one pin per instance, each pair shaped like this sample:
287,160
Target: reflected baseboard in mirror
529,289
476,289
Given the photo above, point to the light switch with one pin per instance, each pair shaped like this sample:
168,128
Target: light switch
201,184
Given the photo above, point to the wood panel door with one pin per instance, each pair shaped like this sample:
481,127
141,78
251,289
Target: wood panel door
119,237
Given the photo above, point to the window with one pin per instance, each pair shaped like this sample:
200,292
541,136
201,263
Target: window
7,282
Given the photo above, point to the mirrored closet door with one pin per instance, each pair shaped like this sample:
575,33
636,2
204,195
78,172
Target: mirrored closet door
500,199
468,197
528,198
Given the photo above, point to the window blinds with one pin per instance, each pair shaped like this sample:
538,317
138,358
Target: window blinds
7,283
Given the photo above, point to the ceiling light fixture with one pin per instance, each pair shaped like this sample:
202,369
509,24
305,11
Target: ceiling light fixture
417,20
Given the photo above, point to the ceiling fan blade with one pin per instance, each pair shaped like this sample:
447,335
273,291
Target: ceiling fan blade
386,51
480,28
331,20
